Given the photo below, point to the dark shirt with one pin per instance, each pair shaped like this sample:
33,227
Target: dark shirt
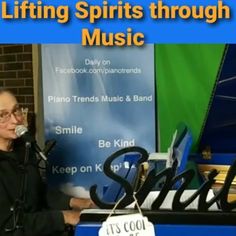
41,215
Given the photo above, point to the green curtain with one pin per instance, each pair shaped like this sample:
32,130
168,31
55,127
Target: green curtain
185,78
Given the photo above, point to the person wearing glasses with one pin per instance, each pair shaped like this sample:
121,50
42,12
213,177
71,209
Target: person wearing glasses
42,212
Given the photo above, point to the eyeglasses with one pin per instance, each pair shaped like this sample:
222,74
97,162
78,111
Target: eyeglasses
6,115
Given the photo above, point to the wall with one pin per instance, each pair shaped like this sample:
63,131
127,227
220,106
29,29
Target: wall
16,74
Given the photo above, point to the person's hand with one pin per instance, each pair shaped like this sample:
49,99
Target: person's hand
81,203
71,217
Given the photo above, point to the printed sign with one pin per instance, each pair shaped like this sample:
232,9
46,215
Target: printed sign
127,225
96,101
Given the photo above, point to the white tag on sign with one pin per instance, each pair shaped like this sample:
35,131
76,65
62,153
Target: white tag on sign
127,225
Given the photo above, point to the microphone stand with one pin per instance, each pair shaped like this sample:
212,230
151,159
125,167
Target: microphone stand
17,210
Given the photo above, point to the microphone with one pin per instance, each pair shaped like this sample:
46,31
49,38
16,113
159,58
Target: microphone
22,132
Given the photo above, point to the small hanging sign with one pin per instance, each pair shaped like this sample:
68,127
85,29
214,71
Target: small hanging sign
127,225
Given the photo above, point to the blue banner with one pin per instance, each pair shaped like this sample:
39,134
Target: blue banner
128,22
96,101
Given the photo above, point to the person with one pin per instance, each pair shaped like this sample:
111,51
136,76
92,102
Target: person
23,197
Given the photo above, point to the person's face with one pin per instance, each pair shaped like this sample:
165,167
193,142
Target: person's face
10,116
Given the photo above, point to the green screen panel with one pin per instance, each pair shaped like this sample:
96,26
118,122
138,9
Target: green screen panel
185,78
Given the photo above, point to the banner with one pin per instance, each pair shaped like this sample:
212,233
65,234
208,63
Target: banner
96,101
117,23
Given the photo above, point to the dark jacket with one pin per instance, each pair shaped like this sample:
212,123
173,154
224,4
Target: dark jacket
42,215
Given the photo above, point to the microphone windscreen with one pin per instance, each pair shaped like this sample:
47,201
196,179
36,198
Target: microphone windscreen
20,130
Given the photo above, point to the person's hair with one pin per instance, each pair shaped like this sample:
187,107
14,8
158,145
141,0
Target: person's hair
5,90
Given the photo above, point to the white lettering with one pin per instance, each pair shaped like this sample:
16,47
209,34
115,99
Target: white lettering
61,70
124,143
137,98
68,130
116,167
98,167
106,98
71,170
85,169
93,62
55,99
85,99
103,143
